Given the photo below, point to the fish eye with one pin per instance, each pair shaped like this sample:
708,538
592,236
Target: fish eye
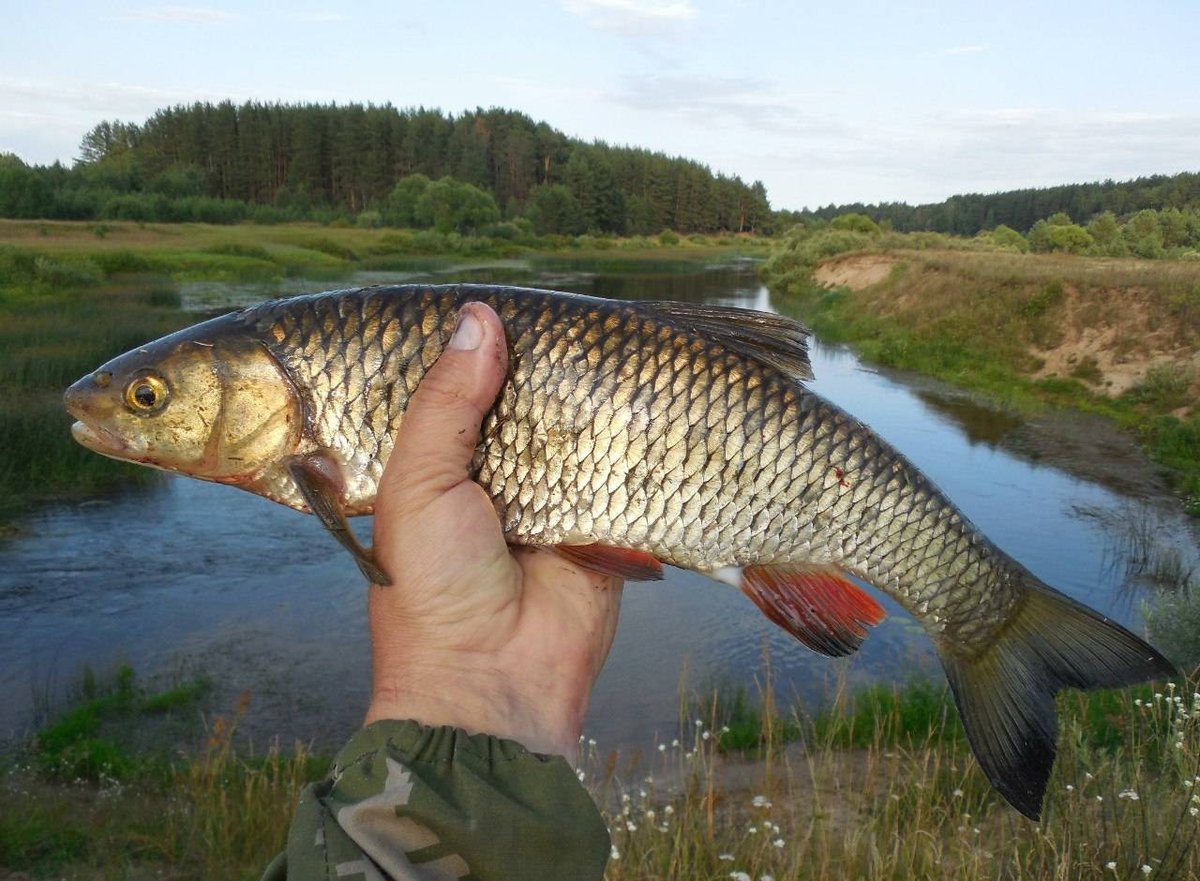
146,394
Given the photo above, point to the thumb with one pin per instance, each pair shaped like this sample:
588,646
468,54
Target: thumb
440,429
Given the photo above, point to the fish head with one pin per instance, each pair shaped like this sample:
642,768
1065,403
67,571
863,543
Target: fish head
206,401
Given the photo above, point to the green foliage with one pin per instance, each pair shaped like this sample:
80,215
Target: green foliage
40,837
401,209
450,206
1058,233
855,222
83,743
554,210
1164,387
971,213
919,712
1008,238
1173,619
272,163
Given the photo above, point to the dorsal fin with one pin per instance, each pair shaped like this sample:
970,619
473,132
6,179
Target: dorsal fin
770,339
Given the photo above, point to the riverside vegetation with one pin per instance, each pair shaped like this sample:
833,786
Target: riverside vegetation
878,786
1117,337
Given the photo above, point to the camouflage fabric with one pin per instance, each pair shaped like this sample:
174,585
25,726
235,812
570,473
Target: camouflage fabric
408,802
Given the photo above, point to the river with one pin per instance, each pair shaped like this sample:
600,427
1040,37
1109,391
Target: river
186,577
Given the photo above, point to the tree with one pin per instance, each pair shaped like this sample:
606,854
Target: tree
1107,233
554,210
1144,234
1007,237
401,208
452,206
855,222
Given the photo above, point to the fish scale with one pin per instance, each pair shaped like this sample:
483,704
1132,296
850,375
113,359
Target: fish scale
625,436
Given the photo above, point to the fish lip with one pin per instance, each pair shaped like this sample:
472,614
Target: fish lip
98,439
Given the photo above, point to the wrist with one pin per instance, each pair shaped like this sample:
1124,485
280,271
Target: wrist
479,702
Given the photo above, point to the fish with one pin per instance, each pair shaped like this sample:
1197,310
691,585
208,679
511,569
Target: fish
629,435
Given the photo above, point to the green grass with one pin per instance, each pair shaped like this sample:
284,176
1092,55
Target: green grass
92,741
49,337
879,786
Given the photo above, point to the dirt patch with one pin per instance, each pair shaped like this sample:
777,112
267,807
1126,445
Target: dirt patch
856,272
1110,338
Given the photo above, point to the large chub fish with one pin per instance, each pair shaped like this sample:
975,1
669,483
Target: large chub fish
629,435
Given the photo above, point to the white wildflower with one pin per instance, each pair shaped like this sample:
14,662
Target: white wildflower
778,842
1129,794
1111,864
614,854
1146,870
725,857
740,876
760,801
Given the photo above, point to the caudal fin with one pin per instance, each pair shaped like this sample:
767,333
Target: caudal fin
1005,695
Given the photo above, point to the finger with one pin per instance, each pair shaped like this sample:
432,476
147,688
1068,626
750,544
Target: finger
440,429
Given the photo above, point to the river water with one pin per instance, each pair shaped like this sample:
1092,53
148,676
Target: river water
187,577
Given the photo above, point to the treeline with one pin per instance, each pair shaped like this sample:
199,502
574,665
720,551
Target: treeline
1171,233
1020,209
272,162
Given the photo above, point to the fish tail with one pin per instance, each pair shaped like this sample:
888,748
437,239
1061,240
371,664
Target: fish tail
1005,693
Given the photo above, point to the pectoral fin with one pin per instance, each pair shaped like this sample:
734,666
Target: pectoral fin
317,479
609,560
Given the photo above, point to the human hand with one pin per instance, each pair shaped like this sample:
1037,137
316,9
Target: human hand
473,633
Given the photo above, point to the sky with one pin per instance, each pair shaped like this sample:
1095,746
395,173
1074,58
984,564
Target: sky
832,102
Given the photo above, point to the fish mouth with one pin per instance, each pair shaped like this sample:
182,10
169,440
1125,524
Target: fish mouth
98,440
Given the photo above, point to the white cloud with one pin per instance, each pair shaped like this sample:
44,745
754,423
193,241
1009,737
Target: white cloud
747,103
632,16
187,15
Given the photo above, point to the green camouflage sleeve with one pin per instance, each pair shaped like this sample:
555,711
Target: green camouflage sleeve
408,802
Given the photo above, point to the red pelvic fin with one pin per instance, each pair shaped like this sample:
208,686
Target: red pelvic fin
819,605
609,560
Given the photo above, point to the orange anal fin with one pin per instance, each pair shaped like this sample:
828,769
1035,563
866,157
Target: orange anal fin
819,605
609,560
